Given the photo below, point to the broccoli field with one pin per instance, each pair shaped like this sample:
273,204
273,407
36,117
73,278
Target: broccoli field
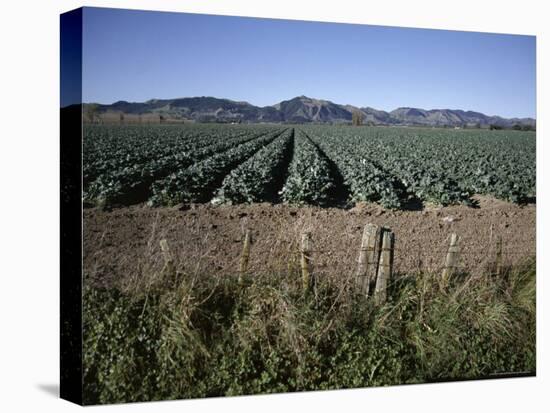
397,168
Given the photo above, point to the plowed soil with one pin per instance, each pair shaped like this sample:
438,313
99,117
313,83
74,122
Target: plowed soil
207,240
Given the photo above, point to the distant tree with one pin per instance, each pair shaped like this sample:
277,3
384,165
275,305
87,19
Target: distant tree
139,118
477,125
91,112
495,127
161,119
357,118
121,117
517,126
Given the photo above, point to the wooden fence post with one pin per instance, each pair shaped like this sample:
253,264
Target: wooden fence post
498,258
385,267
451,260
244,256
306,261
367,263
167,255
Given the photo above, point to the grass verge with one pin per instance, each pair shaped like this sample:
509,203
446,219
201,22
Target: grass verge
180,336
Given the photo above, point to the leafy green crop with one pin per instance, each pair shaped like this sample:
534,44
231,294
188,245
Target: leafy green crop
367,182
168,164
123,179
256,179
199,182
309,180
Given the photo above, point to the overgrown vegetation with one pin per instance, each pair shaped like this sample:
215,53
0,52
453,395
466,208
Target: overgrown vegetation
181,336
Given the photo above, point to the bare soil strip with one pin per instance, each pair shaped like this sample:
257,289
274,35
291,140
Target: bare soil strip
208,240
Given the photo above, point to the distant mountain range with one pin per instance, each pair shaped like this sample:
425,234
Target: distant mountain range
301,109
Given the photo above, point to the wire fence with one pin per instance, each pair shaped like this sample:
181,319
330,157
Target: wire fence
202,249
324,261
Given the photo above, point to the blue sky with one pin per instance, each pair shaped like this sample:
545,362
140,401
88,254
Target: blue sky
137,55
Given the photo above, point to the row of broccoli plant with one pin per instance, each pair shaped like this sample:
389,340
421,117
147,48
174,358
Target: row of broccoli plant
132,184
504,167
199,182
112,148
504,183
421,168
309,178
365,180
257,179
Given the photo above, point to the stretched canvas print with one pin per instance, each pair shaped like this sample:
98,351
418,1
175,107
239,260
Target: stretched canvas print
256,206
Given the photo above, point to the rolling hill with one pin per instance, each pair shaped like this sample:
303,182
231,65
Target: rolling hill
301,109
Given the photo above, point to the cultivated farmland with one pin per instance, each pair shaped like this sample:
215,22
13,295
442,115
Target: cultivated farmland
397,168
232,259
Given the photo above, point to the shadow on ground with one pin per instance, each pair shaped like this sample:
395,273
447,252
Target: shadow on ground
50,389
